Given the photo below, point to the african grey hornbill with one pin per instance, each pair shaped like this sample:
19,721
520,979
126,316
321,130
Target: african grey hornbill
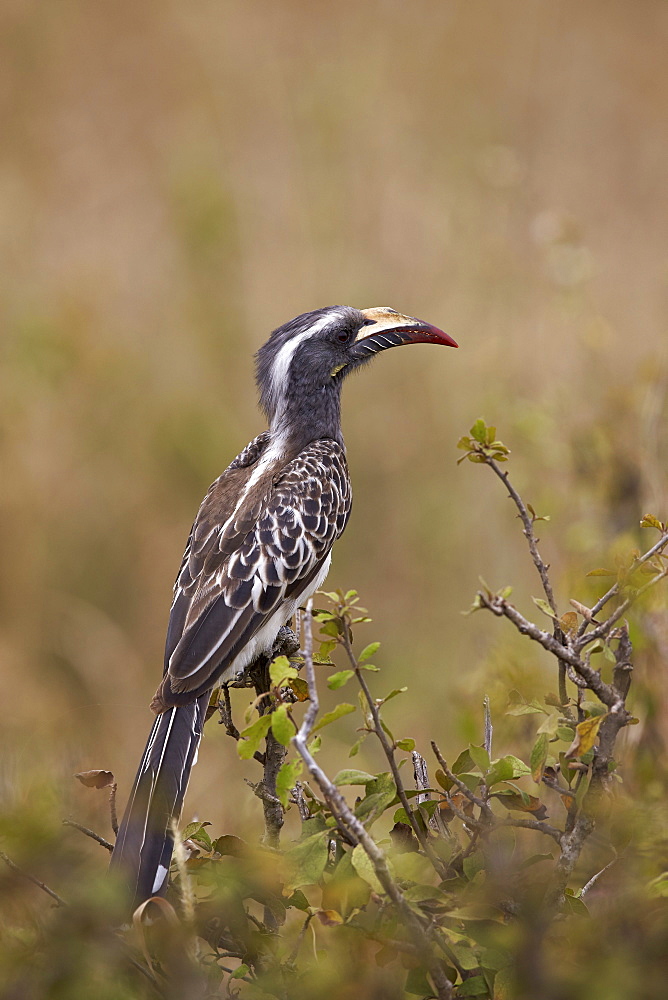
259,547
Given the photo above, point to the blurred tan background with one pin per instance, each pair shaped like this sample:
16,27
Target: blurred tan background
178,179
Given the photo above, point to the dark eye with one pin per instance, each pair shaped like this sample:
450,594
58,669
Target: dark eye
343,337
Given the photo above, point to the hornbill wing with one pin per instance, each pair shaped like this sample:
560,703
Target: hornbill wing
264,556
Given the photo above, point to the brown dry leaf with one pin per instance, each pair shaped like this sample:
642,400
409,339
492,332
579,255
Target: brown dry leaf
585,735
96,779
569,621
330,918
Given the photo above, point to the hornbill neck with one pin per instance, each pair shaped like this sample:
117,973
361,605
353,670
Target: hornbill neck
307,413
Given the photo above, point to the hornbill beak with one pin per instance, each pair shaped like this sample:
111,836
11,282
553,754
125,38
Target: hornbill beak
384,327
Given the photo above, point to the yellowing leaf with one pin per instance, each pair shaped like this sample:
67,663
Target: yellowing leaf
281,670
330,918
586,734
649,521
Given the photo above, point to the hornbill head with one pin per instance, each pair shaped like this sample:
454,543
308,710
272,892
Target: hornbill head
310,355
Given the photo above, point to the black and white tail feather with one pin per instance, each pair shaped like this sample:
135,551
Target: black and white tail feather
143,848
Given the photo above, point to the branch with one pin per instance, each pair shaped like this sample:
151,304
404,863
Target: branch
606,627
500,607
31,878
614,590
89,833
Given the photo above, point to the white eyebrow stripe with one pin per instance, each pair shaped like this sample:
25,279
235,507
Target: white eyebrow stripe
283,359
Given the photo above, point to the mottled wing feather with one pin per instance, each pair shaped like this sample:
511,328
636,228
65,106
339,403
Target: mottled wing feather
203,534
237,573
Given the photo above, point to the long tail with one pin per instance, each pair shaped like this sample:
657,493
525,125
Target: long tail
143,850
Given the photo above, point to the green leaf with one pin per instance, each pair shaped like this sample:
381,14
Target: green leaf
281,670
601,572
368,651
253,736
307,860
394,693
473,987
336,713
470,780
574,904
463,763
355,748
506,768
350,776
539,756
240,972
331,627
285,780
408,745
550,724
530,708
480,757
364,867
299,901
335,681
417,983
380,793
282,726
544,607
193,830
479,431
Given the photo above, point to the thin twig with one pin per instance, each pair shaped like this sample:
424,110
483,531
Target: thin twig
500,607
527,521
31,878
464,789
225,711
388,750
594,879
606,627
112,808
489,729
89,833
